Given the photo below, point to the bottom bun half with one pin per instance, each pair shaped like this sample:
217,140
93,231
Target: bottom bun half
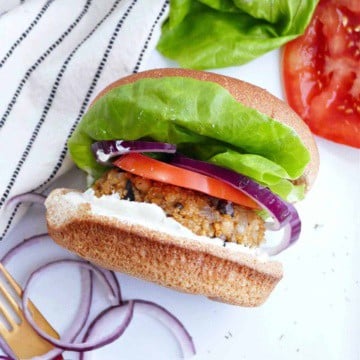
231,274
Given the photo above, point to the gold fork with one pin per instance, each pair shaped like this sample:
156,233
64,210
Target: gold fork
22,339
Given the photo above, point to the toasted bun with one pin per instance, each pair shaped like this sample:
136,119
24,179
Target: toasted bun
183,264
249,95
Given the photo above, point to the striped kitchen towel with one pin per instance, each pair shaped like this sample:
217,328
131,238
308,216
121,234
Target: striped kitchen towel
55,55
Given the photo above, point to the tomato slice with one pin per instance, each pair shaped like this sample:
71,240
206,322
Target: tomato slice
321,72
150,168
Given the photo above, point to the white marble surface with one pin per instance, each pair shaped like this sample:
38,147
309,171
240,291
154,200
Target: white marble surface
312,314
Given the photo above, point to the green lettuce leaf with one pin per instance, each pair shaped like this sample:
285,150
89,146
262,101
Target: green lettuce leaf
205,122
208,34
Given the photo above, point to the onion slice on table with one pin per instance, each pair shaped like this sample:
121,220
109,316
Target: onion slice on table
114,283
69,345
107,149
82,315
6,349
170,321
24,245
148,308
28,197
284,214
99,325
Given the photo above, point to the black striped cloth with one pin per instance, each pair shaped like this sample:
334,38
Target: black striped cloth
55,55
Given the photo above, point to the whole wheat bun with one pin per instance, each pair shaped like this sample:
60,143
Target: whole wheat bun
234,277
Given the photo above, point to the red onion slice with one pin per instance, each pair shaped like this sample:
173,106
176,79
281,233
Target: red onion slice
170,321
107,149
24,245
114,283
28,197
82,315
68,345
292,232
6,349
284,214
156,311
100,323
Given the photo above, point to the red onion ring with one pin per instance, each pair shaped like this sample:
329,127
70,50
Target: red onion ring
159,313
291,234
82,315
114,283
33,240
6,349
107,149
283,213
91,345
96,328
30,197
151,309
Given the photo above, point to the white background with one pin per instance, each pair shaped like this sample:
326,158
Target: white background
312,314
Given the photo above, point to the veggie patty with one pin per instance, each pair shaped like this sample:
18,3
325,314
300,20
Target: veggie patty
202,214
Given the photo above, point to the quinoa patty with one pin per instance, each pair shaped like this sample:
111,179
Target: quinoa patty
202,214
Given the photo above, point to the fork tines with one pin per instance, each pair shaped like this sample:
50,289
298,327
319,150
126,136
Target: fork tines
10,310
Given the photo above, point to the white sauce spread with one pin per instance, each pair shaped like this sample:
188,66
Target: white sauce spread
102,156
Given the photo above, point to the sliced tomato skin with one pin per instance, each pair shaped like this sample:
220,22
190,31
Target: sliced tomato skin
321,72
153,169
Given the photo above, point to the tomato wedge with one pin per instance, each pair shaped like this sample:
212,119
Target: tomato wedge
150,168
321,72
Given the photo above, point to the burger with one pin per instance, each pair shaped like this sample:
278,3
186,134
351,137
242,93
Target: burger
193,177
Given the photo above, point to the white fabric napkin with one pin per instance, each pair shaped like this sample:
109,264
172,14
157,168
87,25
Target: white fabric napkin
55,56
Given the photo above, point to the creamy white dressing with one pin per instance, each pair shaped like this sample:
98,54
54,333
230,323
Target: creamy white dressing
102,156
150,216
